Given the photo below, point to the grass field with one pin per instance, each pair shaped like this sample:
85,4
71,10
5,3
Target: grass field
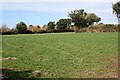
70,55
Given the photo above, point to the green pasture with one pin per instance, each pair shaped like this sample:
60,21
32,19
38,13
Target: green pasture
61,55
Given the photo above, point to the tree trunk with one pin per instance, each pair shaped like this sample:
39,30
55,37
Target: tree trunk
76,29
118,22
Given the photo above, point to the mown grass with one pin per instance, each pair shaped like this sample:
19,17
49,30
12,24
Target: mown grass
81,55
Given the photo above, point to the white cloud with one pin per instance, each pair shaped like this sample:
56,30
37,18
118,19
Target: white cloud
61,7
102,9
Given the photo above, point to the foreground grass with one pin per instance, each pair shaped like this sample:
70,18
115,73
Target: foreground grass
81,55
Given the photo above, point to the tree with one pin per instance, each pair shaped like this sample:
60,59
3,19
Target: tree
91,18
116,9
78,17
30,25
38,26
22,27
82,19
51,26
62,24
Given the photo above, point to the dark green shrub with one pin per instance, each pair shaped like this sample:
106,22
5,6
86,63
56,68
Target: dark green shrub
41,31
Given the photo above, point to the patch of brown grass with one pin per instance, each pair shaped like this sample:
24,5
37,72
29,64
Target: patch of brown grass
111,68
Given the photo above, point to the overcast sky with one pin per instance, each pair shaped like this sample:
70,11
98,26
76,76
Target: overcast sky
41,12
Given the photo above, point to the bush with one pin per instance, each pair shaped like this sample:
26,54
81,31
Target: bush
29,32
41,31
25,32
14,31
64,30
10,32
6,33
103,28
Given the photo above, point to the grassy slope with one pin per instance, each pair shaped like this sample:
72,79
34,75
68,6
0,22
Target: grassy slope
63,55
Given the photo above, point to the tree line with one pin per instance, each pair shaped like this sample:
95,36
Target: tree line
78,20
